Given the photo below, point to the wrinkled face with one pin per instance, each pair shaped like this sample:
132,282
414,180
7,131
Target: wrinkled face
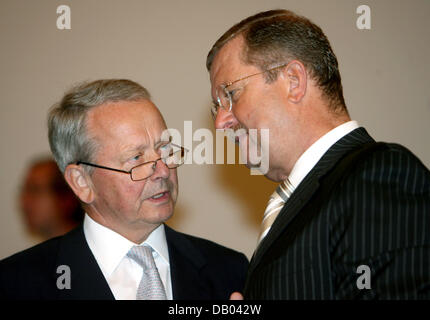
128,134
256,105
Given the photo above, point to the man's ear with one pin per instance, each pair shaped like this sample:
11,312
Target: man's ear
80,182
296,74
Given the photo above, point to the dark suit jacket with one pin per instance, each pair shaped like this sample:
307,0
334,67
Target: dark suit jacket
200,270
377,215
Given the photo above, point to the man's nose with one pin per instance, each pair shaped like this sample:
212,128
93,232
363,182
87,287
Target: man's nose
161,171
225,119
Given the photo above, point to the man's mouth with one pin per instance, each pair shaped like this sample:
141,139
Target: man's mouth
239,134
160,197
241,138
237,139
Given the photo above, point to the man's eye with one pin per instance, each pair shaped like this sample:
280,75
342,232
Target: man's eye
136,157
232,94
166,149
166,146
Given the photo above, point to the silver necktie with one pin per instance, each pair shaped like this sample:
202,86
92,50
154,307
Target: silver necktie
150,286
276,202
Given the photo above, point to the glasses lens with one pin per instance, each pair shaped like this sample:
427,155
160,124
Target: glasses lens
175,159
143,171
224,98
172,159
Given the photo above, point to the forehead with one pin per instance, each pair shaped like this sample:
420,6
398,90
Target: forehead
227,62
125,123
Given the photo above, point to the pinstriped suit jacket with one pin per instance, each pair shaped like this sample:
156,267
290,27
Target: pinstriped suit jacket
378,215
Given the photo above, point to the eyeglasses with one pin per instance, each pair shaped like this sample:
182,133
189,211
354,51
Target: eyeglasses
224,97
145,170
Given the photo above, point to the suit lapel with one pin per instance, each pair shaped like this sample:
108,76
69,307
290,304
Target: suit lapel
185,265
87,280
307,188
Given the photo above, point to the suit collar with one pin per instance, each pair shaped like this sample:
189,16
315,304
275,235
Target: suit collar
314,153
308,187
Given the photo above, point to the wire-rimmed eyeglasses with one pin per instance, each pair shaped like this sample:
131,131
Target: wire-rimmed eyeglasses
224,97
144,170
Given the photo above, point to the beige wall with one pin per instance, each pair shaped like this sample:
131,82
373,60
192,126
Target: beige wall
163,45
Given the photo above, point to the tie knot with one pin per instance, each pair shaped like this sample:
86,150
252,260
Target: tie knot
285,189
142,255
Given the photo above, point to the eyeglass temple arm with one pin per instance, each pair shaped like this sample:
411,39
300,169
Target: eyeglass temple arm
102,167
254,74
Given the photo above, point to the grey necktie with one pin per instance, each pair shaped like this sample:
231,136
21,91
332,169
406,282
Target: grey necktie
276,202
150,286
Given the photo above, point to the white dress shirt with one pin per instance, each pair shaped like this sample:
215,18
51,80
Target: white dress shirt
122,273
313,154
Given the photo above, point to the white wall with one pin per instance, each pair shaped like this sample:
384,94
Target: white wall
163,45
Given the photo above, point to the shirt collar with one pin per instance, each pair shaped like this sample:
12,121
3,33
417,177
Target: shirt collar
109,247
314,153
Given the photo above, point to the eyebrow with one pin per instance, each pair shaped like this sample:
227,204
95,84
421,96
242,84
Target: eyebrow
162,142
156,144
141,147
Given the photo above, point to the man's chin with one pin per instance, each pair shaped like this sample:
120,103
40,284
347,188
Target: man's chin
157,212
251,165
160,216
